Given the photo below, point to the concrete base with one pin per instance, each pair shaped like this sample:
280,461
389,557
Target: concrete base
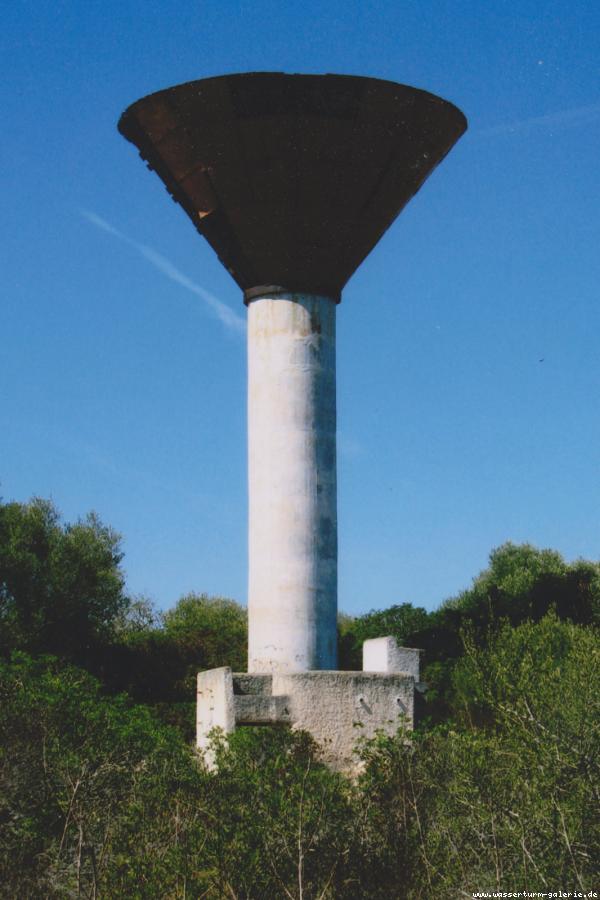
336,708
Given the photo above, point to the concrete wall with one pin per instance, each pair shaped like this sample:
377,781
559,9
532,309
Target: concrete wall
292,590
341,708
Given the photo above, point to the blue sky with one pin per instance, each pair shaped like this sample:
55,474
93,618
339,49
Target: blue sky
122,371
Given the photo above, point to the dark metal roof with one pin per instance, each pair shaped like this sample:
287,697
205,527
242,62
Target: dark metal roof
292,178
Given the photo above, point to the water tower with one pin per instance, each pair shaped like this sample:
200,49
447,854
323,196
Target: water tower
293,179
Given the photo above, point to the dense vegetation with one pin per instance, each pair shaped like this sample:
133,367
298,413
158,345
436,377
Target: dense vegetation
101,794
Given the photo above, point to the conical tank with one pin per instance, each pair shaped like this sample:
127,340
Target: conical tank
292,179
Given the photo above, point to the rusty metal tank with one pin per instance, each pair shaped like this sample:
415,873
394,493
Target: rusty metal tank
292,179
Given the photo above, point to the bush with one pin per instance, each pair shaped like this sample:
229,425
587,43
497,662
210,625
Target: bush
510,795
96,797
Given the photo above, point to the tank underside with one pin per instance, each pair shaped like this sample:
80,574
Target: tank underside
292,178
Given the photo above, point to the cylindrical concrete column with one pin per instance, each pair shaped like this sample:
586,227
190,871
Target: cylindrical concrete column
292,591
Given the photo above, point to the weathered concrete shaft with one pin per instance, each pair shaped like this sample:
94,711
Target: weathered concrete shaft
292,591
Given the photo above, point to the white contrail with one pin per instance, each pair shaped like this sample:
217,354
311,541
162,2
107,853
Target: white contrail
225,315
580,115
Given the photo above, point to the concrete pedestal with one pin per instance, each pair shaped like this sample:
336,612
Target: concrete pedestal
337,708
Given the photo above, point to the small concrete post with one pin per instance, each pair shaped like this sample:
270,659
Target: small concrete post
384,655
292,591
214,707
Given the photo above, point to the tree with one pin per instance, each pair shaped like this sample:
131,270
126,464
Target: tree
521,583
61,586
155,657
140,616
211,631
525,583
